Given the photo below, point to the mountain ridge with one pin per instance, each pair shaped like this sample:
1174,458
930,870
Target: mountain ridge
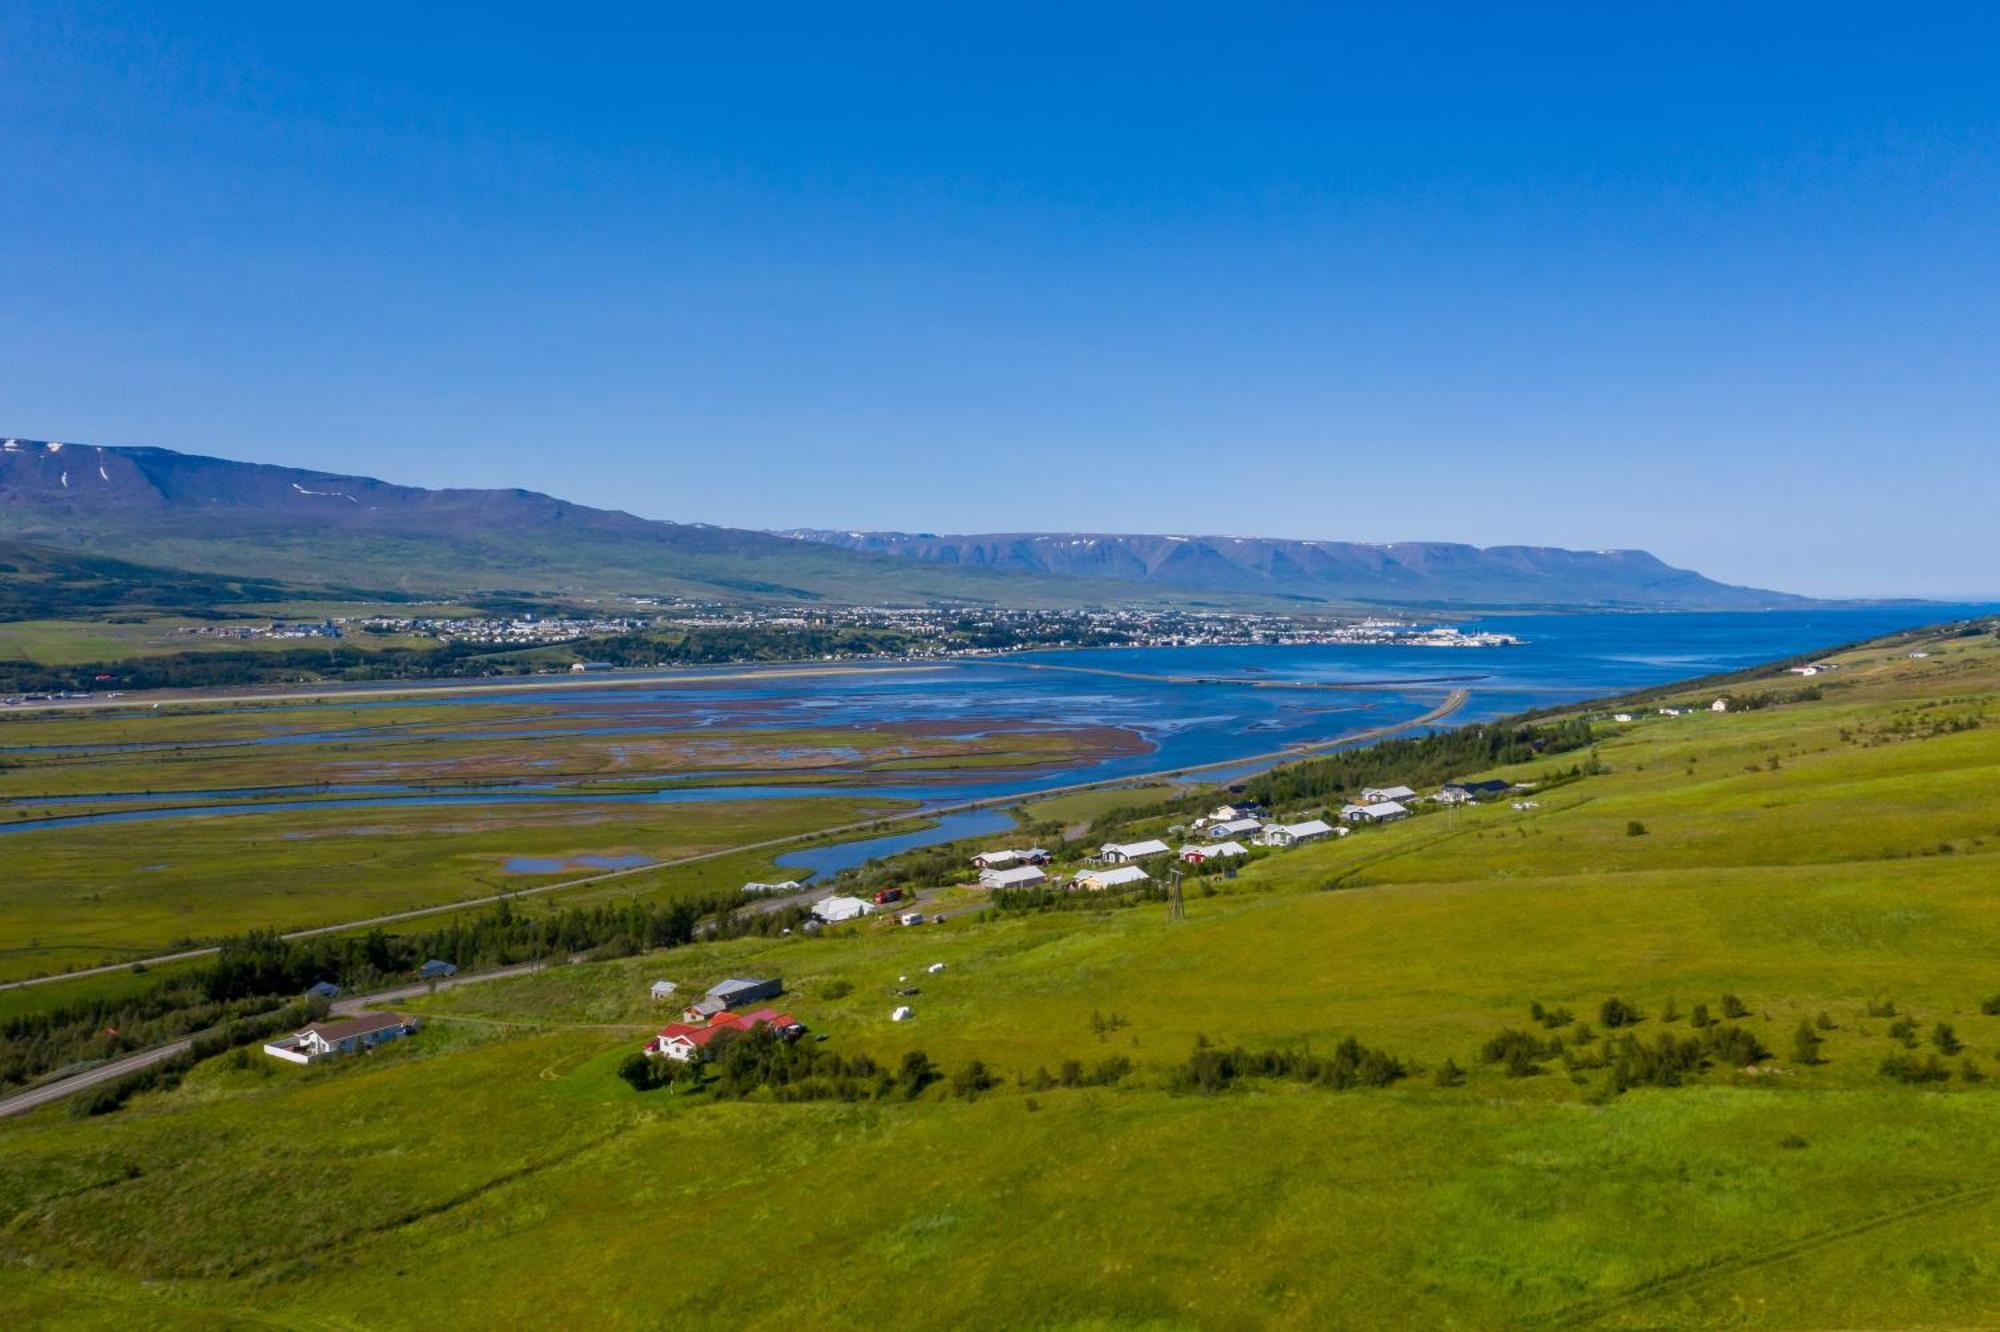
169,509
1402,573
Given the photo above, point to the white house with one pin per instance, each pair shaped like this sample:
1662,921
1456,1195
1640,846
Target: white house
1670,712
833,910
1196,855
1720,705
1376,795
1241,827
1098,880
663,989
1380,811
1621,716
322,1040
1224,813
991,860
1117,853
1021,876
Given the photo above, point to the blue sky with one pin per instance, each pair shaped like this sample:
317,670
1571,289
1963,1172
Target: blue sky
1716,283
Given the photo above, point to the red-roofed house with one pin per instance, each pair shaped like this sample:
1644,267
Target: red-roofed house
684,1042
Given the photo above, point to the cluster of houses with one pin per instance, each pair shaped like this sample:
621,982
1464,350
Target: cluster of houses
724,1011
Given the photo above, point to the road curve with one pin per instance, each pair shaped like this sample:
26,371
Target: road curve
1451,704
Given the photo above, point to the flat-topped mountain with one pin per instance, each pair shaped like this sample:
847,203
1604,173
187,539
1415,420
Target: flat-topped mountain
1411,573
185,511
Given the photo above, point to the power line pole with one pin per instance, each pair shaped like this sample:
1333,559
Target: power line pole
1175,908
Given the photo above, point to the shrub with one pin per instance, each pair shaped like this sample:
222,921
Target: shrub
1990,1005
1700,1017
972,1079
1945,1039
1732,1007
1908,1068
1615,1013
1635,829
1805,1043
1449,1074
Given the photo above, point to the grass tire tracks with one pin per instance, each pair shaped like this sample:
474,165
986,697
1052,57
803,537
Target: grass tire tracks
1587,1312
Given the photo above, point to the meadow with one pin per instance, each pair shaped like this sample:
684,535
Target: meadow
213,863
1826,861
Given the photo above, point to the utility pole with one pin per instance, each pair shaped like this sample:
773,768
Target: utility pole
1175,909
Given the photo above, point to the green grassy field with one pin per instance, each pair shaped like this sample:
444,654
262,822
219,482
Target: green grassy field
495,1167
137,889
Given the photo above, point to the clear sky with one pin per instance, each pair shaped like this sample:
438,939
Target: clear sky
1721,282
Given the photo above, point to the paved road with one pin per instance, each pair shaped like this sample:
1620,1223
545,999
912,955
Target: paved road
132,1063
1452,703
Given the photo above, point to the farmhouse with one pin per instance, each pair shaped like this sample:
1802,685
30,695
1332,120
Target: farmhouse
1242,827
1720,705
1098,880
1381,811
1243,810
834,910
323,1040
1021,876
663,989
1459,793
684,1042
1376,795
1293,834
989,860
1621,716
1118,853
1198,855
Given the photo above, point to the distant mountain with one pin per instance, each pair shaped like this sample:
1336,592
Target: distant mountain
210,514
1412,573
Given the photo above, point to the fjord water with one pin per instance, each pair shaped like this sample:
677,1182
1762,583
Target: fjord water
1218,717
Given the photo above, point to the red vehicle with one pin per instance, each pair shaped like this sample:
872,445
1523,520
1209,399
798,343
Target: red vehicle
887,895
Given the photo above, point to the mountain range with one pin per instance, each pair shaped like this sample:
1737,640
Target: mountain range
185,511
1406,573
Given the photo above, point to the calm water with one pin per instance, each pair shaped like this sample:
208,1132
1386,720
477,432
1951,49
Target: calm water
1566,658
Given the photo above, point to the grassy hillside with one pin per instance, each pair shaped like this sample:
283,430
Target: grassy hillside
43,582
1827,859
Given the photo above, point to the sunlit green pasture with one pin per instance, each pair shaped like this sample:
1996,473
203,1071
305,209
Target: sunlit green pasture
495,1168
